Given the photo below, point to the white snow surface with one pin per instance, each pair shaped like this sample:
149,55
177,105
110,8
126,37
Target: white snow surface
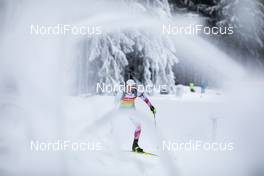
179,119
95,119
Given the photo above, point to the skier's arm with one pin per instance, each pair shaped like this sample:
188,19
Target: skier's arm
146,100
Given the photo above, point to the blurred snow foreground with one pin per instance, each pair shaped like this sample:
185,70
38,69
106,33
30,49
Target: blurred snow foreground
38,73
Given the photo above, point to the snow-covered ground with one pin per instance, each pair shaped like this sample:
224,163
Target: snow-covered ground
216,116
179,119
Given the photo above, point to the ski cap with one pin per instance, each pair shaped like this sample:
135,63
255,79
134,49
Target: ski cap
130,82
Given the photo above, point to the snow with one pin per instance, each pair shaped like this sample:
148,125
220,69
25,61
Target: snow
178,119
35,102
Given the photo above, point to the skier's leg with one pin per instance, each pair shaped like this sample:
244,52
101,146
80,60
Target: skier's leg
136,122
137,132
148,127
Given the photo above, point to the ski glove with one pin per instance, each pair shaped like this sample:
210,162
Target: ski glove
153,109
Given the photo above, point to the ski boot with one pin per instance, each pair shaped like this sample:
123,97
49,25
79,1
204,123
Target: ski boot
136,148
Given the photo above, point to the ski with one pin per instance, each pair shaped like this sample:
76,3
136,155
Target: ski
144,153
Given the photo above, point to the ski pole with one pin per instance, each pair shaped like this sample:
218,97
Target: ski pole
155,120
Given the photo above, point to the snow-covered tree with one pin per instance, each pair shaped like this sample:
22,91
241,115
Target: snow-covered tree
115,56
246,16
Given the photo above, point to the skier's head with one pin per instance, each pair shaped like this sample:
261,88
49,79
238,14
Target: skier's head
130,82
131,85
